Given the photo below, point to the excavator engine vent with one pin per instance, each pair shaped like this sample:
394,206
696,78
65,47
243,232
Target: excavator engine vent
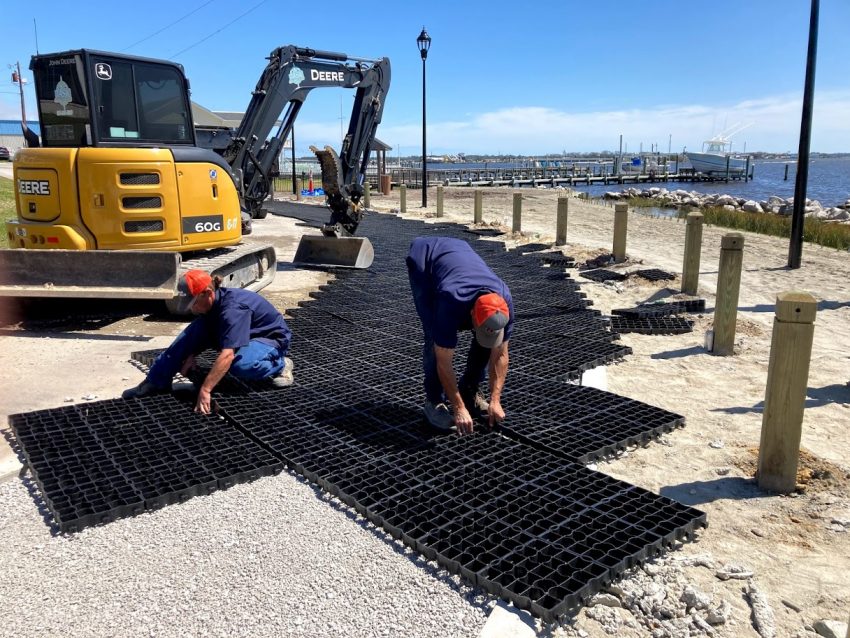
139,179
149,226
141,202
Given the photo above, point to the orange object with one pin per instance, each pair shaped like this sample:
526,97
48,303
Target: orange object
486,306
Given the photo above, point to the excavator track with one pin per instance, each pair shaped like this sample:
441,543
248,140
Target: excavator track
248,266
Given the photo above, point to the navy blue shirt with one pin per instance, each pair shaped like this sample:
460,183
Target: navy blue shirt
241,315
453,276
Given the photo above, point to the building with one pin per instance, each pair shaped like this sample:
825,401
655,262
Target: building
11,135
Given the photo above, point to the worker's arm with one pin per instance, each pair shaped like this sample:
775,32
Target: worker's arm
216,374
446,372
498,372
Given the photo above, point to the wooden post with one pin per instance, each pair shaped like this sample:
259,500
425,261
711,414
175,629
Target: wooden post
561,223
367,195
478,210
727,169
439,201
747,170
693,252
728,288
402,198
517,224
785,396
786,173
621,222
298,195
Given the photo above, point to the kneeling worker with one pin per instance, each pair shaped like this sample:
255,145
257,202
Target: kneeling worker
249,332
454,290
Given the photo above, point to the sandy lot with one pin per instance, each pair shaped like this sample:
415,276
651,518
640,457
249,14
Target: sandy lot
51,353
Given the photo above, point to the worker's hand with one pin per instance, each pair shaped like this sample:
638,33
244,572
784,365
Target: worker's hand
463,421
496,413
188,364
203,404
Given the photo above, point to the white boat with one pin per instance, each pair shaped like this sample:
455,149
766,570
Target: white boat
714,156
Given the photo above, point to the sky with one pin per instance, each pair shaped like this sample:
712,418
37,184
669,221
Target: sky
502,77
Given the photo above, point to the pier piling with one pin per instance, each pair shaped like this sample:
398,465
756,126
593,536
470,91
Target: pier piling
517,221
402,198
561,222
728,289
785,396
298,195
367,195
693,252
621,222
478,207
440,201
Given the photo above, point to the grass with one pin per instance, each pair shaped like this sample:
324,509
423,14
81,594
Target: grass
7,205
815,231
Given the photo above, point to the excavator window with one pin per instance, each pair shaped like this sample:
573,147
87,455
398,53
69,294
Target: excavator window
63,104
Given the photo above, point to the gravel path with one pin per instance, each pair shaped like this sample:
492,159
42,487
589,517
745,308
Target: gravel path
270,558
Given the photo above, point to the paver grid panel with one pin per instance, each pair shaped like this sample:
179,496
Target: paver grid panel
515,516
603,275
661,309
654,274
652,325
95,462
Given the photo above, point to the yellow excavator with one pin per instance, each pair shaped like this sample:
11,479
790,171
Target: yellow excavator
116,198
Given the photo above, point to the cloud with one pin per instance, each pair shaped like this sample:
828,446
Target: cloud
537,130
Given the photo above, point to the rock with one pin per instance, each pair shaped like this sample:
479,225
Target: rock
773,200
606,600
717,444
719,615
731,571
763,619
725,200
694,598
831,628
728,207
752,207
722,471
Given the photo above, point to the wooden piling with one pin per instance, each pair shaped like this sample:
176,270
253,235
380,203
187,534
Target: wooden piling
440,201
298,187
517,223
785,396
478,210
402,198
367,195
727,169
693,252
786,173
561,222
728,289
621,222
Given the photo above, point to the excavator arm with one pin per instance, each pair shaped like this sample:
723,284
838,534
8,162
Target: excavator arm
292,72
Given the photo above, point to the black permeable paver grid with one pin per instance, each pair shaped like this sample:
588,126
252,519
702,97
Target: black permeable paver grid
652,325
514,511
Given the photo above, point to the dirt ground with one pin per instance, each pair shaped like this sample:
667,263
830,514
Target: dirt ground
53,352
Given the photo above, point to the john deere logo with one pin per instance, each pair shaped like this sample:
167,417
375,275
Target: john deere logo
103,71
296,76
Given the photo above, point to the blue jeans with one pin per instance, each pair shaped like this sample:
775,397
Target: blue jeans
476,361
254,361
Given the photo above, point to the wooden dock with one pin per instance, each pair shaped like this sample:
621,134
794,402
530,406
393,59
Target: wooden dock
552,177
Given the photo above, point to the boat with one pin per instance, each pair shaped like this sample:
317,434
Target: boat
715,156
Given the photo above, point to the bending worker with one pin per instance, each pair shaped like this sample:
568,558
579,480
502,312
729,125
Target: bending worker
250,334
454,290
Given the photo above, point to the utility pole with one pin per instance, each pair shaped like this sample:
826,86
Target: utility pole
16,77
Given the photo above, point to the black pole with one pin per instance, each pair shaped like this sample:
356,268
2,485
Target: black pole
424,156
292,133
795,249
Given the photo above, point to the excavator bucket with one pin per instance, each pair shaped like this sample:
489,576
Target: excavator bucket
337,252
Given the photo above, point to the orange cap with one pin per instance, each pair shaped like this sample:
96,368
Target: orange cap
192,283
490,315
486,306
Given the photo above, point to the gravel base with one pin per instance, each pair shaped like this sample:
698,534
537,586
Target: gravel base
273,557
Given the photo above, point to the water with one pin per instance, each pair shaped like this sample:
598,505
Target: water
829,180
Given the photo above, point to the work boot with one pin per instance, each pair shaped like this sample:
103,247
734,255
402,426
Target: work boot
475,403
285,378
144,389
439,417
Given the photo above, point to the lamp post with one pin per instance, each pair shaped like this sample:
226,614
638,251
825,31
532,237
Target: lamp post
424,43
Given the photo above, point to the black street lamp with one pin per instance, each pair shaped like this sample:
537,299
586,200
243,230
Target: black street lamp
424,43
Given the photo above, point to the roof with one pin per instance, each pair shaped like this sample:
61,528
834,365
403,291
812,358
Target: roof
13,127
378,145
